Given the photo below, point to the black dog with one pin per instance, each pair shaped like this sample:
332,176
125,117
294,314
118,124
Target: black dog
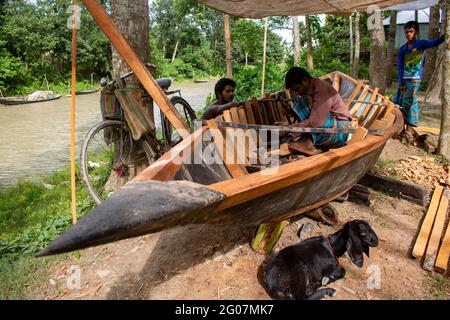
298,271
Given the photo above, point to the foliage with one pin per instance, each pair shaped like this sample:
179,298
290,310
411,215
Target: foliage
32,213
249,78
35,33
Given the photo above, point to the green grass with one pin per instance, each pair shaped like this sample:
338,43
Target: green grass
439,286
32,214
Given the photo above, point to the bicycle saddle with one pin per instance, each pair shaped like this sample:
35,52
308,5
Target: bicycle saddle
164,83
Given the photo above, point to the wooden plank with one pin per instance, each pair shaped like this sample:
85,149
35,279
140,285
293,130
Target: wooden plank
379,125
389,116
269,110
427,224
356,106
368,106
257,111
354,94
360,134
235,115
235,169
396,188
282,112
336,81
119,42
166,167
263,109
444,252
436,234
434,131
373,114
249,112
227,116
242,116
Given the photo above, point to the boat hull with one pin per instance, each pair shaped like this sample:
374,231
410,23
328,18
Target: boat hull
17,101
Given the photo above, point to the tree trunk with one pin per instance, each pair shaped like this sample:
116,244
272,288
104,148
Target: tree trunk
351,43
296,41
433,33
444,137
435,88
391,48
132,19
226,20
309,57
377,52
355,69
175,51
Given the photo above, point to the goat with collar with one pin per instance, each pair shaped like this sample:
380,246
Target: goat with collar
298,271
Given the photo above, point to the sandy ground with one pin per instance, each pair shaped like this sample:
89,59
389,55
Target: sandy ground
216,262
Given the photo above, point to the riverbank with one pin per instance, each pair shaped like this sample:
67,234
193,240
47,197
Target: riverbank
31,215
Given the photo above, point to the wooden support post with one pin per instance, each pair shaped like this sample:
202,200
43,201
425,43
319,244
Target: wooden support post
327,213
267,236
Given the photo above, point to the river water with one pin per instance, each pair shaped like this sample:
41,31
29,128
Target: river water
35,138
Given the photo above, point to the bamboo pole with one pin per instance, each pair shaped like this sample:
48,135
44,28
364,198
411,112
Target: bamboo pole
72,130
266,22
351,42
226,21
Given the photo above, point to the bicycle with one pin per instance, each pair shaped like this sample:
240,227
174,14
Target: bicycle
110,156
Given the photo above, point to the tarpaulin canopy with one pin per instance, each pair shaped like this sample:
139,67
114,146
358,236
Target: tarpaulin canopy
256,9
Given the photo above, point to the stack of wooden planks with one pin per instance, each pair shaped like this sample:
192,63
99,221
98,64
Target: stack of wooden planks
433,241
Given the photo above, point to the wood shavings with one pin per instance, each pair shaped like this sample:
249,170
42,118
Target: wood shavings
422,170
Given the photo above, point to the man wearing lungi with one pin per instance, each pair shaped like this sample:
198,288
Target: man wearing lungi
318,105
410,63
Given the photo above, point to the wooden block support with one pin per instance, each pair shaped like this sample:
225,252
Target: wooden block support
396,188
436,234
267,236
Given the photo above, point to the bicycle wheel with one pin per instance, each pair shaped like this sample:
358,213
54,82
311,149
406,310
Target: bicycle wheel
110,158
171,135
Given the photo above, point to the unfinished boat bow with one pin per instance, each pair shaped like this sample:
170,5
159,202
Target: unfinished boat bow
184,187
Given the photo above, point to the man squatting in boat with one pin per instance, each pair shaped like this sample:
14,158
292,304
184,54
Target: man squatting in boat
224,90
318,105
410,64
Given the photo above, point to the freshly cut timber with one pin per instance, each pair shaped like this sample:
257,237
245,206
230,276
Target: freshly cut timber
185,187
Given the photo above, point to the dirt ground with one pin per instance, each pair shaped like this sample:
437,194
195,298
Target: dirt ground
216,262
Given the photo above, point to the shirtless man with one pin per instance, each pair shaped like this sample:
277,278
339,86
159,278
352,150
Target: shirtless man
224,91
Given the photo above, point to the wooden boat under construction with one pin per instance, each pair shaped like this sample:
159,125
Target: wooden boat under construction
175,192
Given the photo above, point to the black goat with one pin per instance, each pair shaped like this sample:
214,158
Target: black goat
298,271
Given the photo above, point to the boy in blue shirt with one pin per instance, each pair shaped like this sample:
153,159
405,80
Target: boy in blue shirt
410,63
